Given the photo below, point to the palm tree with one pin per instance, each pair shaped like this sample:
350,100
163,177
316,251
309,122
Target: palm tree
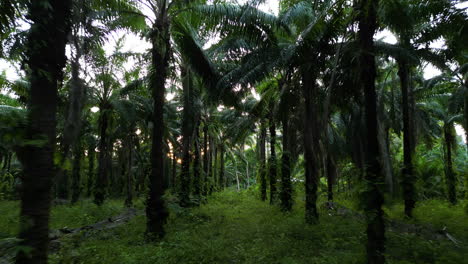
76,170
286,48
262,167
286,105
45,53
440,105
85,36
110,97
367,14
272,161
405,27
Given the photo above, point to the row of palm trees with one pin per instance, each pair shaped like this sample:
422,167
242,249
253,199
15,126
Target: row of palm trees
316,66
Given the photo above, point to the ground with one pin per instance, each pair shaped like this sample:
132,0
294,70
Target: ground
236,227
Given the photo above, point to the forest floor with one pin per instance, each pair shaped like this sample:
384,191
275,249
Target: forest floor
235,227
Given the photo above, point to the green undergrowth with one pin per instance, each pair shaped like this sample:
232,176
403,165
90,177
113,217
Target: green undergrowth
437,214
236,227
70,216
434,214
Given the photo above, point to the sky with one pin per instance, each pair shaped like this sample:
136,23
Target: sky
133,43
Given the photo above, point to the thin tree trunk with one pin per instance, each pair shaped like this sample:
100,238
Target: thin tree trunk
450,174
91,156
156,212
45,52
387,168
286,188
262,169
4,160
235,171
166,166
465,114
128,148
407,171
76,174
187,132
8,167
247,171
222,180
331,176
206,160
374,198
197,181
174,169
214,175
215,166
142,171
272,161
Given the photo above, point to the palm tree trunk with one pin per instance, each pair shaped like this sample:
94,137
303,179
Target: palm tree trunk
76,99
45,51
331,176
449,173
197,181
222,180
286,188
174,169
187,131
128,149
91,156
235,172
214,159
310,146
76,174
374,197
465,114
272,161
248,174
206,160
4,160
215,165
156,212
385,154
407,171
100,188
262,169
72,126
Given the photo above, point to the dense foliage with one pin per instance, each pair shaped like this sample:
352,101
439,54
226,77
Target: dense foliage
229,107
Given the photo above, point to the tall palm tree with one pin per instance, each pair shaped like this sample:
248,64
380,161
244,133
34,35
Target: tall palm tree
290,43
107,92
438,103
367,15
85,36
413,17
45,57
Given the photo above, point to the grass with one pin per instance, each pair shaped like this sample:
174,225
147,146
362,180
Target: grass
81,214
238,228
438,214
